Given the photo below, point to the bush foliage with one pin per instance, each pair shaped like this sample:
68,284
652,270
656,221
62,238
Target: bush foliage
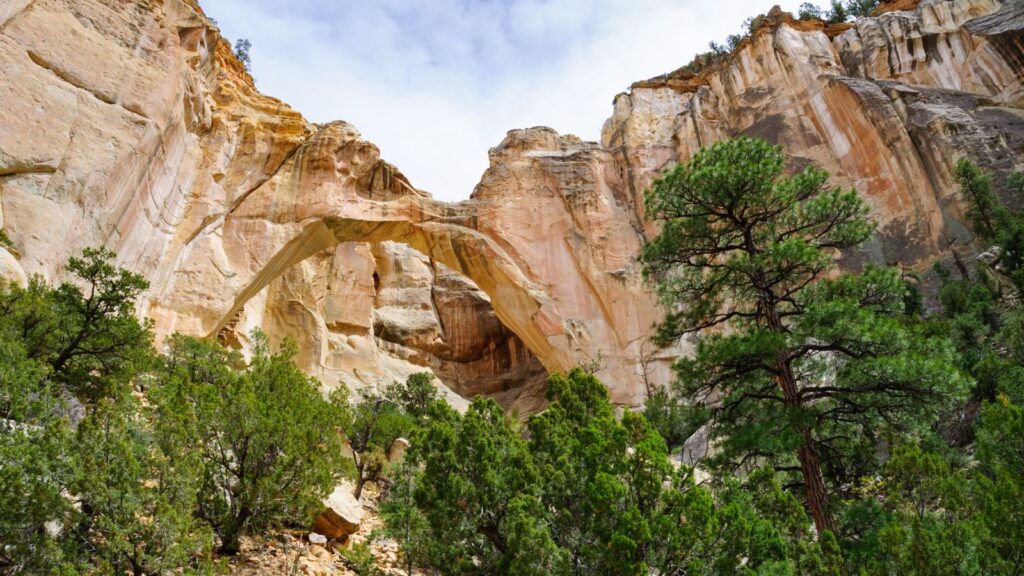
116,458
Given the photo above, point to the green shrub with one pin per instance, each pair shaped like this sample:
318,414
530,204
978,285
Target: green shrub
268,443
585,493
380,419
359,558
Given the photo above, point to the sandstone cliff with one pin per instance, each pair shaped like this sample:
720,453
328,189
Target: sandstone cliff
886,106
132,125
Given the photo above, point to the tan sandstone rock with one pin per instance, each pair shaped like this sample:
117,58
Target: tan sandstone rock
10,270
131,124
342,514
396,453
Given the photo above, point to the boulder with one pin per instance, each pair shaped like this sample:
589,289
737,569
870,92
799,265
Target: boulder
342,515
397,451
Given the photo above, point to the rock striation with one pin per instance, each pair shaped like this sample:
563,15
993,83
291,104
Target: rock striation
887,106
132,125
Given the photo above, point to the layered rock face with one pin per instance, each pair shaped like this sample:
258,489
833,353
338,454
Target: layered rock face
131,125
887,106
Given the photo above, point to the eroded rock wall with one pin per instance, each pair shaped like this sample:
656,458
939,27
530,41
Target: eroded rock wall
887,106
130,124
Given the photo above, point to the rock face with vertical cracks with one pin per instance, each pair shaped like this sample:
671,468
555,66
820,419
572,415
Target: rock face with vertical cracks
131,125
887,106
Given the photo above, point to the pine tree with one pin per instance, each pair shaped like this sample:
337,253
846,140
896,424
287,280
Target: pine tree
792,359
992,219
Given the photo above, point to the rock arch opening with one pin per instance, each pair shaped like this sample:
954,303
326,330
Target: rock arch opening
283,251
386,310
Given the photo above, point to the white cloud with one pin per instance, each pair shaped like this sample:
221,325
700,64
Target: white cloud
435,83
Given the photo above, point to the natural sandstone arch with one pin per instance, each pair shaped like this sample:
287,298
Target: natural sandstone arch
528,313
335,190
543,237
132,125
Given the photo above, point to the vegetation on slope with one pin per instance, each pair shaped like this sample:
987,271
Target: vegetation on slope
828,392
580,491
852,432
114,459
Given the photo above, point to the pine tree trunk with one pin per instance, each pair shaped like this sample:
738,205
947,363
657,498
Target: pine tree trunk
817,495
810,467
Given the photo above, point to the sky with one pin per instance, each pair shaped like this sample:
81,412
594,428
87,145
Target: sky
436,83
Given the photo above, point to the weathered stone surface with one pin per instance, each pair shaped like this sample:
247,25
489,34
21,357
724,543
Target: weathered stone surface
132,125
342,515
887,106
10,270
396,453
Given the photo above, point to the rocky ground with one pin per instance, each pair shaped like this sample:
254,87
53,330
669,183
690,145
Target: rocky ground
291,553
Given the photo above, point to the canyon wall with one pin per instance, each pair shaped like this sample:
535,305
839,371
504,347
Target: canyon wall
131,125
886,104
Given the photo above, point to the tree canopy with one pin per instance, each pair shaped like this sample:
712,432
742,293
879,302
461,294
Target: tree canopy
116,459
582,492
797,365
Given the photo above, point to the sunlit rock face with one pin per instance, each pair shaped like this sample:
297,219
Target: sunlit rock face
131,125
887,106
